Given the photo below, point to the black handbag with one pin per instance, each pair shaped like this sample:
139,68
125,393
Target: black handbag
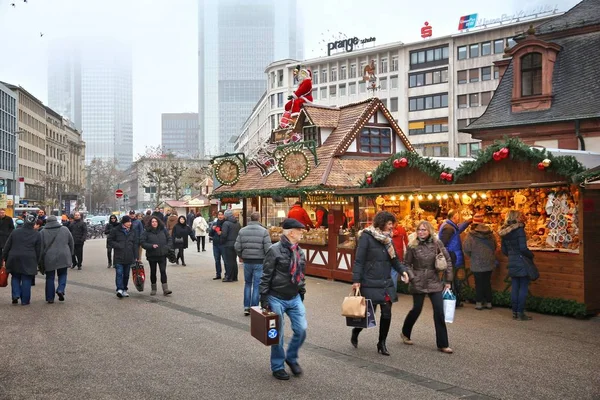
171,256
532,271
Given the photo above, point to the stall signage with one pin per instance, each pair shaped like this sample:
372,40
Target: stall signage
347,44
474,21
233,200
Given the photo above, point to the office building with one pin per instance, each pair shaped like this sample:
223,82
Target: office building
237,39
180,134
8,142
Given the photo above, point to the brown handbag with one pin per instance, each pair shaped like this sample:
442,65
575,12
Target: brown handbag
440,260
354,305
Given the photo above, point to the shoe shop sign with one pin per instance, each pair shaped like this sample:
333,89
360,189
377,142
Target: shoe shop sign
347,44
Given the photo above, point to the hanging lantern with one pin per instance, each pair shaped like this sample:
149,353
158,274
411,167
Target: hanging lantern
497,156
546,162
504,152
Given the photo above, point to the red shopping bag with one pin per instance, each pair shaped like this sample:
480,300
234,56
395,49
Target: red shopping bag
3,277
138,275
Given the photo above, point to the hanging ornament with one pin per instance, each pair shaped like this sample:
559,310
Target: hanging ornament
449,177
444,176
546,162
541,166
497,156
403,162
369,180
396,163
504,152
369,173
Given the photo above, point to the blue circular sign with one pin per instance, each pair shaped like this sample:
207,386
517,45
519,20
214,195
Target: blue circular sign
272,333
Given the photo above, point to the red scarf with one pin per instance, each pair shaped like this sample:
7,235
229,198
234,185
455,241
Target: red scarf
296,274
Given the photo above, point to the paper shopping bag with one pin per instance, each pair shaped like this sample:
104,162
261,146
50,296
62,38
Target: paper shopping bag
354,305
449,306
368,321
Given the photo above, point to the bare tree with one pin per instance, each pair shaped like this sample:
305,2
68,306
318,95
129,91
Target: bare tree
103,179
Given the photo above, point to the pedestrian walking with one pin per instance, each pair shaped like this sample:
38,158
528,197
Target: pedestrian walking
449,234
78,229
157,242
420,257
200,226
171,220
214,233
110,225
57,249
372,273
480,247
514,246
7,226
282,288
138,226
228,236
180,235
20,255
146,218
190,218
158,213
251,246
125,242
41,217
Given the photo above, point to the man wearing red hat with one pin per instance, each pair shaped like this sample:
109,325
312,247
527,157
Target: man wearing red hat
304,92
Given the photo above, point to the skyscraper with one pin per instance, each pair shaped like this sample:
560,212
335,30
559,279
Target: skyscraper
180,134
237,40
90,83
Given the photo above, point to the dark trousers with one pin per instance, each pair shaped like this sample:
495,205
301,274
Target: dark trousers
437,302
384,321
203,240
21,287
109,253
457,286
78,256
520,285
180,256
162,265
483,287
230,258
217,255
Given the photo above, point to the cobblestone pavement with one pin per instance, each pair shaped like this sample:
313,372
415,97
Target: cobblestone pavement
195,344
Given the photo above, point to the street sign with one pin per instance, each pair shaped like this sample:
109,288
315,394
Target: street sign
118,193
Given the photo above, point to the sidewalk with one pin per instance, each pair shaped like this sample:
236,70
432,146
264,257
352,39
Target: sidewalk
196,344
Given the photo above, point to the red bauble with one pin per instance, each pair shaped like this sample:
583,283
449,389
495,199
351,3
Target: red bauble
504,152
497,156
449,177
541,166
444,176
396,163
403,162
369,180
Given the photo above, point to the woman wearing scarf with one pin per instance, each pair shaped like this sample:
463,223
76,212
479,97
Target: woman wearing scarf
421,254
112,223
375,258
282,289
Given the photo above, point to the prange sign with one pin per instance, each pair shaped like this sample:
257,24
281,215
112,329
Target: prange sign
347,44
473,21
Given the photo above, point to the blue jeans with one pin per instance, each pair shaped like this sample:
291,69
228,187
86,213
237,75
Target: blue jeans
519,293
217,254
252,274
395,279
122,275
295,310
21,287
62,282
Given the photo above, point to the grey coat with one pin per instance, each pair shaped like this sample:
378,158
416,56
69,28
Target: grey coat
480,246
59,254
252,243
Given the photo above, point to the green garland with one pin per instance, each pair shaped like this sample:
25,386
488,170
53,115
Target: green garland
283,192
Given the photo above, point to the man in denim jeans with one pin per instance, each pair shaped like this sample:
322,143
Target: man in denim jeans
125,242
282,289
251,245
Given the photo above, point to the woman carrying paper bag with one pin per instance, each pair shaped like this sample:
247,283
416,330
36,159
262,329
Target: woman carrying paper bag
375,258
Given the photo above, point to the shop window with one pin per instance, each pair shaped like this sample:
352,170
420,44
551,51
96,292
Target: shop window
499,46
474,50
486,73
531,74
474,75
461,77
462,101
485,98
376,140
474,100
486,48
462,52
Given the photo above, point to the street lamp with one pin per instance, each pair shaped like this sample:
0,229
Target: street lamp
15,166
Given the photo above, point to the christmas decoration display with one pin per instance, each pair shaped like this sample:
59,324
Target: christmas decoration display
546,162
541,166
294,165
302,95
504,152
396,163
497,156
227,171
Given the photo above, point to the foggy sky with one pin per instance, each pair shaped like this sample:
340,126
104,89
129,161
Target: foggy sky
164,38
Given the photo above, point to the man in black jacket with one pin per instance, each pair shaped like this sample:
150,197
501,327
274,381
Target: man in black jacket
6,227
228,235
213,232
125,242
282,289
78,229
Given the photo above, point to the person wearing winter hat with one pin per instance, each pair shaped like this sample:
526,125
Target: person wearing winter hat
125,242
57,250
480,247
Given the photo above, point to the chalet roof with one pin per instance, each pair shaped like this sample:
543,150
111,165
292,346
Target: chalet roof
575,85
586,13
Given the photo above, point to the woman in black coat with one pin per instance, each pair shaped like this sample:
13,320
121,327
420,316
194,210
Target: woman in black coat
21,254
375,258
181,231
514,245
112,223
157,242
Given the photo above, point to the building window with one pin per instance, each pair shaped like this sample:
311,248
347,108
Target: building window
394,82
510,43
474,75
273,122
428,55
394,66
394,104
499,46
384,65
462,101
323,93
342,72
312,133
462,77
531,74
272,79
428,102
428,78
474,100
475,148
343,89
333,74
316,78
324,76
332,91
362,88
474,50
352,71
429,126
383,83
376,140
272,97
462,52
486,73
486,48
280,78
485,98
463,150
279,99
462,123
496,72
384,102
437,150
352,88
315,94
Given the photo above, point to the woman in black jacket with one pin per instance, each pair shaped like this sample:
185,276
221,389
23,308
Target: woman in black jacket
181,231
375,258
514,245
157,242
112,223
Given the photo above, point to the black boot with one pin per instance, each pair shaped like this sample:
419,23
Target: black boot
524,317
384,328
354,338
515,315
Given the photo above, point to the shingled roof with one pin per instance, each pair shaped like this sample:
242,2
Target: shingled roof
333,171
586,13
575,84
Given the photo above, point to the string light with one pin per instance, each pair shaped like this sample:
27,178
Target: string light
393,198
411,198
402,198
445,196
429,197
474,196
438,197
455,196
483,196
420,197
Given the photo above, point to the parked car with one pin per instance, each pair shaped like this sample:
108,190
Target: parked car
97,220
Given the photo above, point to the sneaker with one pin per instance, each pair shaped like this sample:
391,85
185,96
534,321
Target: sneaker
109,265
281,375
119,293
125,294
246,311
